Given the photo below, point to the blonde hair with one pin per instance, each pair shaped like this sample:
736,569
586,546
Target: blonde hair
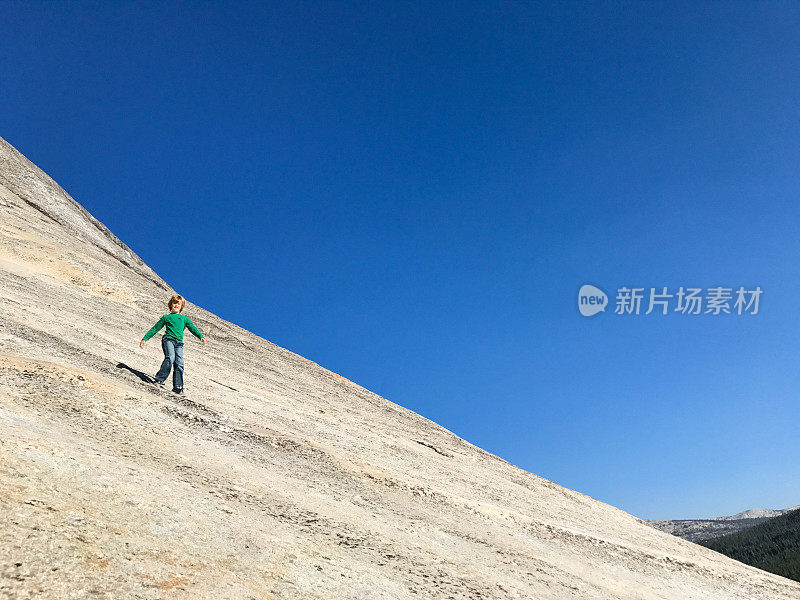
174,299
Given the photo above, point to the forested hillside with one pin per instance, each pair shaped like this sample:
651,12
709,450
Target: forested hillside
773,545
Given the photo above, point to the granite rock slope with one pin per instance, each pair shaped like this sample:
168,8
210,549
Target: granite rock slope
275,478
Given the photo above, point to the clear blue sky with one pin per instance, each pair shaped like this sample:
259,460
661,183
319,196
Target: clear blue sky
411,194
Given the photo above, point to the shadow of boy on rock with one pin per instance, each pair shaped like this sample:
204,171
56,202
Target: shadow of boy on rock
143,376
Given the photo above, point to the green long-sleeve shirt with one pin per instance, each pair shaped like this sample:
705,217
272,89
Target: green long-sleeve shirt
176,323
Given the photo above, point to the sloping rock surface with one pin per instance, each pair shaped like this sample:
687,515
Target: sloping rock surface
275,478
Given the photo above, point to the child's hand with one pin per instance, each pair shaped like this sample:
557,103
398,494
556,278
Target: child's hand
203,340
141,344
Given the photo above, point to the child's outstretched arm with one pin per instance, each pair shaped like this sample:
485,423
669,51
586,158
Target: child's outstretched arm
195,330
153,330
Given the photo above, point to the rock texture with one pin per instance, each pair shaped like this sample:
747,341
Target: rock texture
696,530
275,478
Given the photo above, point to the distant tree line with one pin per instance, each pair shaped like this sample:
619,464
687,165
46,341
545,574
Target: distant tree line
773,545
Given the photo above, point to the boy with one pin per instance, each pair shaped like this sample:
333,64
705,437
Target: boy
172,342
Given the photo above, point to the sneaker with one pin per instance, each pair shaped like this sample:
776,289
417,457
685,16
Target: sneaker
178,391
158,383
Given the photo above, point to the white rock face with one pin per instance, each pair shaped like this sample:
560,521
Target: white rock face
275,479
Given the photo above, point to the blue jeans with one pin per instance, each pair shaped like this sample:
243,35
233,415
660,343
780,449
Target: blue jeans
173,356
